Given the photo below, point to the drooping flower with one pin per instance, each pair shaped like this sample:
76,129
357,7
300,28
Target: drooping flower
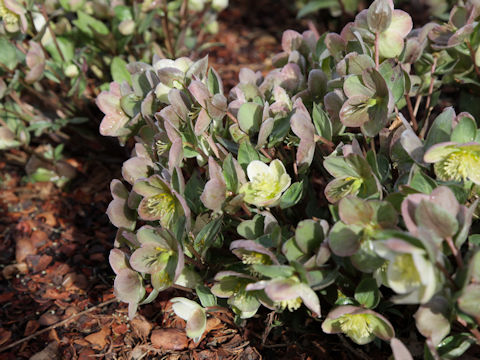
232,285
193,314
288,293
252,253
115,120
267,183
159,202
13,16
160,255
455,162
409,272
360,325
128,285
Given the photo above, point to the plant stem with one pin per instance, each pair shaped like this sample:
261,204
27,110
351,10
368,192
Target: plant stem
472,55
166,30
377,55
429,98
54,37
455,252
410,112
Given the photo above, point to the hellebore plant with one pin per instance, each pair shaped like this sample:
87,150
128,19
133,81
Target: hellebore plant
308,185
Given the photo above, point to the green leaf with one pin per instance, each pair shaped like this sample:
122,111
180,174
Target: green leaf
436,219
308,236
205,296
251,229
367,293
88,25
441,128
314,6
8,55
67,47
206,237
230,174
394,78
123,12
274,271
193,191
118,69
322,122
250,117
455,346
292,196
213,83
465,131
247,154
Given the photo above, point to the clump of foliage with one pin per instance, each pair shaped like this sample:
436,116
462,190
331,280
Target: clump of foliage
56,56
308,188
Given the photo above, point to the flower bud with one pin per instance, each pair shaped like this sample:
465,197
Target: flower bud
71,71
219,5
379,16
126,27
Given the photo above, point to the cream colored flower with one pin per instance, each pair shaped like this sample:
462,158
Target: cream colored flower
267,183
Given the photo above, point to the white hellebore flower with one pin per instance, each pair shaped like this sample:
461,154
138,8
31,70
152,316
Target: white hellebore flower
267,183
193,314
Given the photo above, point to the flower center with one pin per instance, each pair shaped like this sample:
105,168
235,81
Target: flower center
161,205
405,268
266,186
291,304
458,165
9,17
253,258
356,326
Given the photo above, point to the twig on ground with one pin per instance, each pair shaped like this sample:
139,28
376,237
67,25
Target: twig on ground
63,322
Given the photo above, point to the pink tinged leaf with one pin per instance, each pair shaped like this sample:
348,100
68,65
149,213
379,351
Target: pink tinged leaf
248,76
335,44
291,40
215,171
175,156
115,120
354,112
118,260
213,195
309,298
217,107
36,62
439,151
168,115
171,130
118,212
290,77
265,131
202,123
136,168
128,286
305,152
400,351
180,103
200,92
431,320
196,324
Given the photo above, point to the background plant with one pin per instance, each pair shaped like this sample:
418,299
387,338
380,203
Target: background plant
309,186
58,55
